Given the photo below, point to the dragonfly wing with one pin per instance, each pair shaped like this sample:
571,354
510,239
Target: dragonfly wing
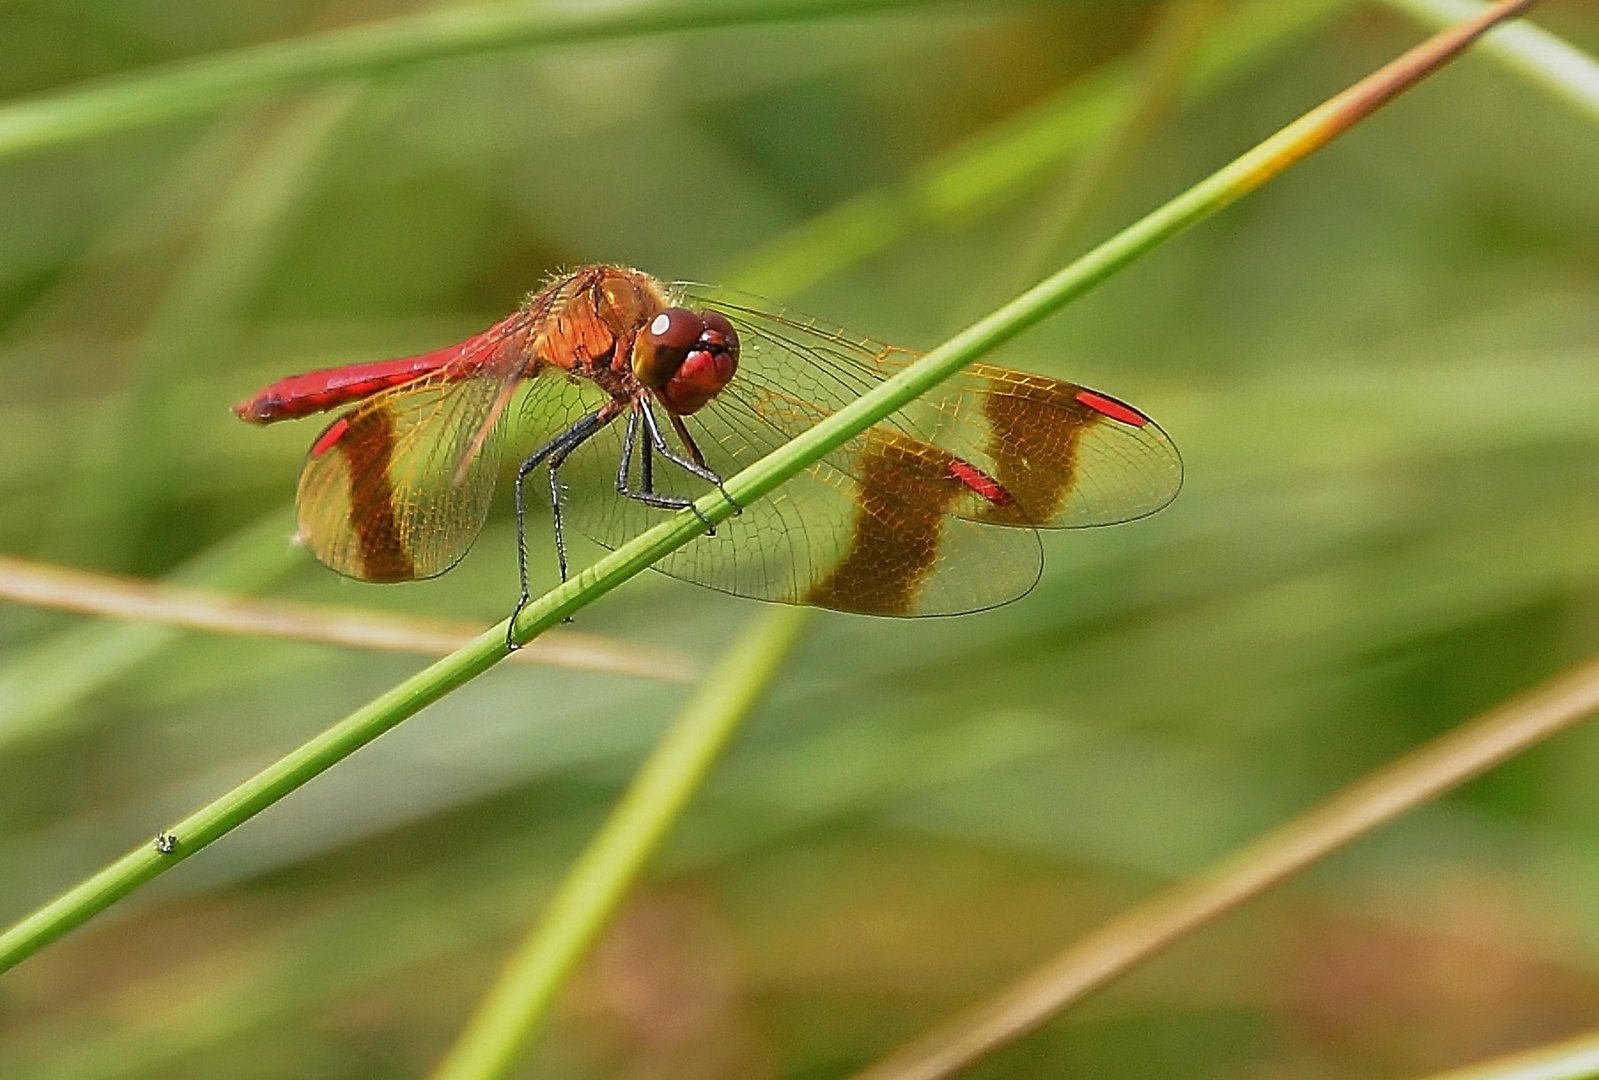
888,544
1067,456
899,520
398,487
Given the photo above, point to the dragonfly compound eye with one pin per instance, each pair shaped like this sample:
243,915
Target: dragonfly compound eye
707,368
719,335
662,346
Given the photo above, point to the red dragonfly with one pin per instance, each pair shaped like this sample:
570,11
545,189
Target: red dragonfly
900,520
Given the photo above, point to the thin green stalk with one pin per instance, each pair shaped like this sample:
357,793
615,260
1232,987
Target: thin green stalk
1175,37
225,265
1002,160
1572,1059
1563,71
299,766
211,83
516,1006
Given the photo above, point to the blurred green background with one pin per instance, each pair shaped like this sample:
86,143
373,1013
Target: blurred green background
1383,372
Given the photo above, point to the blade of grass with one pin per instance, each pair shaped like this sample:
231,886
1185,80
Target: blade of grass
211,83
1088,965
39,683
518,1002
1178,32
222,612
1003,159
1573,1059
1565,72
1216,192
226,262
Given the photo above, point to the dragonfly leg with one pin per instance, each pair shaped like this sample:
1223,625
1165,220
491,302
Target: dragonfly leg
629,438
695,468
667,502
646,493
554,452
647,464
699,458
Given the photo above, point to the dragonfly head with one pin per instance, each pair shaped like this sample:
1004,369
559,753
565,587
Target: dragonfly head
686,358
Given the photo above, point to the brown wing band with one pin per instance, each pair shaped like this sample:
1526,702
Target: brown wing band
1033,451
367,445
906,489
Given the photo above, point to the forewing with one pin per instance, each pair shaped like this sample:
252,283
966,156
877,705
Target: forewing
898,520
1067,456
398,487
888,544
882,525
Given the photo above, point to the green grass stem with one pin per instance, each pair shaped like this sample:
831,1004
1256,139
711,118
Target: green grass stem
299,766
520,999
210,83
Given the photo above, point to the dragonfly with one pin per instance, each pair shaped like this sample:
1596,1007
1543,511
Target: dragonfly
667,388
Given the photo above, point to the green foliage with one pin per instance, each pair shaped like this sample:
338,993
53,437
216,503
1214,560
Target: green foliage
1381,372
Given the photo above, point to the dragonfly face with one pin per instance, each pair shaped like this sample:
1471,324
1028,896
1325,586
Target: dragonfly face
685,358
932,511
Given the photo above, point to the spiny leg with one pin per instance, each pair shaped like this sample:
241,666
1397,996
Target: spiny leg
555,504
646,461
647,493
697,468
626,464
629,438
688,440
657,440
699,458
555,450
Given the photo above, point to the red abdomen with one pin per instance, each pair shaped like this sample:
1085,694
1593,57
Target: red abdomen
318,391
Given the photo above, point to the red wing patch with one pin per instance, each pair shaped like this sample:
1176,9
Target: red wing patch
980,482
1112,408
330,436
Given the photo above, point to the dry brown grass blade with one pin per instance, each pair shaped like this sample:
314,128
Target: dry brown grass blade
135,599
1145,930
1569,1059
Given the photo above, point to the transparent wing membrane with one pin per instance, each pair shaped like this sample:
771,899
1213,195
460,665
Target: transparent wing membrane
900,520
398,487
897,521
